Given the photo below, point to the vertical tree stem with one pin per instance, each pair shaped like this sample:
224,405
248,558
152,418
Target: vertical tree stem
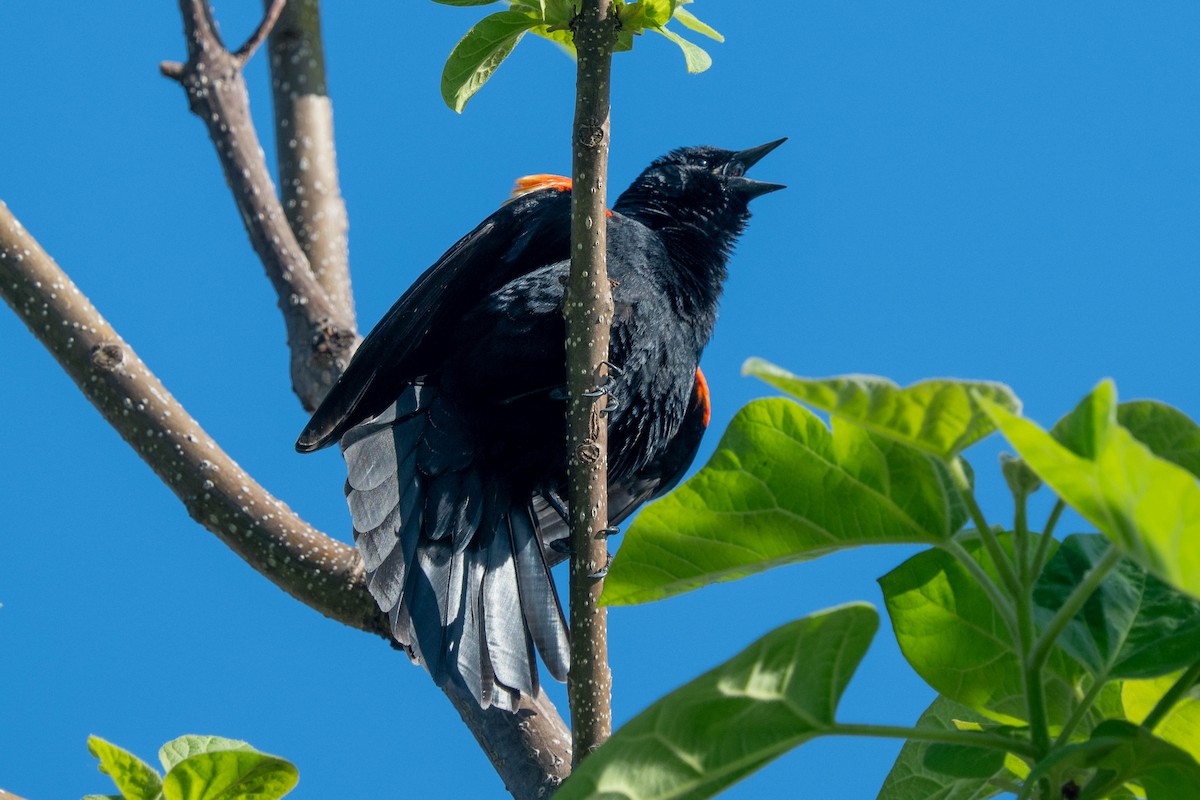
308,173
588,309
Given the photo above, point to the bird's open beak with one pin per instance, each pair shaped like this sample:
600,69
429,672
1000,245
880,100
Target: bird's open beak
748,158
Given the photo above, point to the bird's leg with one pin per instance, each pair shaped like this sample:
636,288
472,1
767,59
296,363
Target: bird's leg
612,530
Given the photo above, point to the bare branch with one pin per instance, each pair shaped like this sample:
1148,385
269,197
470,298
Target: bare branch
589,309
530,750
273,9
307,159
320,336
315,569
8,796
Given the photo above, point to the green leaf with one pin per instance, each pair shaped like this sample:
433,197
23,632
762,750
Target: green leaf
1181,725
560,36
688,20
939,417
782,488
778,693
695,57
1133,625
912,776
136,779
480,52
237,774
184,747
656,13
952,635
1120,752
1147,505
1167,431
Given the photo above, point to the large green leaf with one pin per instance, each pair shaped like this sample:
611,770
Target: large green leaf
1181,725
1166,430
778,693
177,750
480,52
920,773
136,779
1147,505
939,417
950,632
234,774
1133,625
780,488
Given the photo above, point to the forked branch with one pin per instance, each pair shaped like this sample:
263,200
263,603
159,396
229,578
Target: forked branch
321,335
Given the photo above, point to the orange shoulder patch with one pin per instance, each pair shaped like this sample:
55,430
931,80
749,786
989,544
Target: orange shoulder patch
531,183
700,395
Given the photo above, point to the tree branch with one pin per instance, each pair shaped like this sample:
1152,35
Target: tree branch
321,572
588,308
530,749
8,796
307,158
321,337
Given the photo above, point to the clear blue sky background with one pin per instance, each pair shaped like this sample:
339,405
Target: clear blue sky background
1003,191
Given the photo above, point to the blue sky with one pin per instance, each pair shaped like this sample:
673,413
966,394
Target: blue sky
978,190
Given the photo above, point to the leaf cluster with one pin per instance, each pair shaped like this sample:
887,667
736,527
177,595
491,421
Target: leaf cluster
485,46
196,768
1063,668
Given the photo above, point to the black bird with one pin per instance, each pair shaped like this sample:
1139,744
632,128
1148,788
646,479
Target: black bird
451,413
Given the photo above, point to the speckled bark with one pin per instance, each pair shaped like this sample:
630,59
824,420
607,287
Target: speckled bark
320,336
307,158
530,750
589,309
315,569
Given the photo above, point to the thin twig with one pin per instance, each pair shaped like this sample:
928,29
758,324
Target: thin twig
320,337
273,10
588,309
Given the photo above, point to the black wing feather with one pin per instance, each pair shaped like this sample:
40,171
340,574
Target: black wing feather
408,341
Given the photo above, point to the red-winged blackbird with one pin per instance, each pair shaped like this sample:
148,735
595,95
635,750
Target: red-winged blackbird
451,415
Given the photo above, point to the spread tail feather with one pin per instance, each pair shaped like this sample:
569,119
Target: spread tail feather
457,563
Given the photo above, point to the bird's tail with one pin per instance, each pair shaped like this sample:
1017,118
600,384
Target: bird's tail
455,560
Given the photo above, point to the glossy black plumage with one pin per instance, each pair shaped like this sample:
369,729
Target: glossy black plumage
451,417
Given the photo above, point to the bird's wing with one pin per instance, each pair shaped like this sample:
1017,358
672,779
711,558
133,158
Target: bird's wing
451,555
530,231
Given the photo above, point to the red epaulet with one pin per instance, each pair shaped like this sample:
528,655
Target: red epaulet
701,395
532,183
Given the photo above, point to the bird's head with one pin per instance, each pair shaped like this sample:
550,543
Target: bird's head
698,186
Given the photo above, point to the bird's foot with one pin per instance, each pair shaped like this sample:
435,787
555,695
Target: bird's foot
600,573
